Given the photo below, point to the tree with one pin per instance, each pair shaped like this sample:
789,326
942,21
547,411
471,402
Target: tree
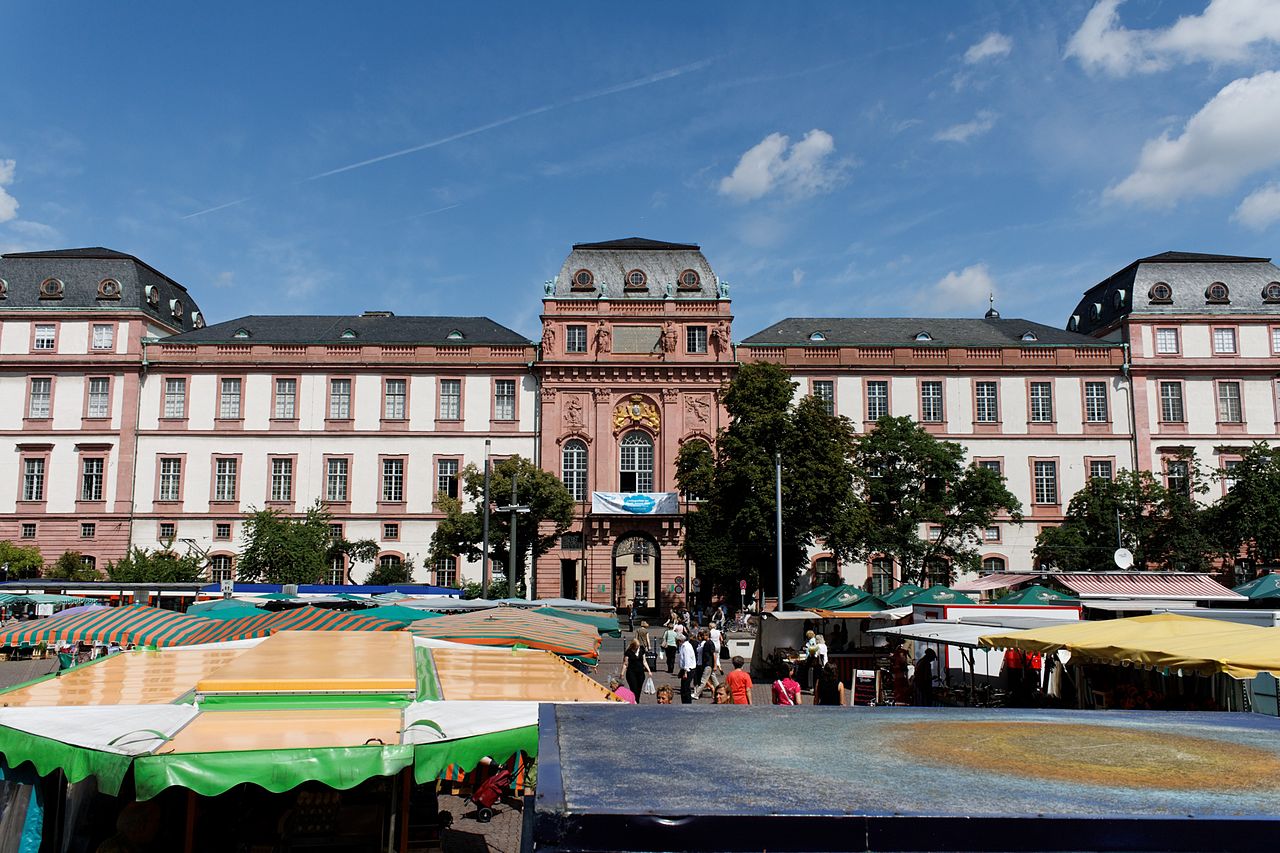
907,481
21,562
1246,521
71,566
460,532
391,573
284,550
142,566
1163,528
732,535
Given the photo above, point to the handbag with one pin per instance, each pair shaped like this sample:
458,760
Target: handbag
648,686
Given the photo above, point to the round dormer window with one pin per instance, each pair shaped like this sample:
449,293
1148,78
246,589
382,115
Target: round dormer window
1161,292
690,280
176,308
1217,292
4,289
197,320
818,337
636,280
1271,293
923,336
1029,337
455,335
153,296
108,288
584,280
51,288
1118,299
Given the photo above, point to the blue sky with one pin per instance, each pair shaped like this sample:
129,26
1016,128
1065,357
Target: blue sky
857,159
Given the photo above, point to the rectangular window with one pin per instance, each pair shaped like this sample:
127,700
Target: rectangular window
992,465
1229,403
393,480
881,576
447,478
91,479
229,400
45,336
393,405
1095,402
935,533
931,402
335,482
335,532
41,398
640,591
222,530
446,572
877,399
1224,341
1171,410
175,398
220,568
170,480
1178,475
226,472
450,399
695,339
825,390
1228,473
281,479
1166,341
104,335
28,530
504,400
991,534
575,339
1275,339
986,402
88,530
1046,485
168,530
339,399
99,397
1100,469
1042,402
33,481
391,531
286,399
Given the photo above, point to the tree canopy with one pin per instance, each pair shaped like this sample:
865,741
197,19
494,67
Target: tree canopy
284,550
22,562
1245,523
142,566
71,566
460,532
389,574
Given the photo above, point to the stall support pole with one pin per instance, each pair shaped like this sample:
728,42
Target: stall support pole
406,782
189,839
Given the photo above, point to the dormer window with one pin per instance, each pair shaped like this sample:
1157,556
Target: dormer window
584,280
1270,293
348,333
153,296
241,333
1095,310
197,320
1073,323
689,280
1029,337
4,289
923,337
176,308
636,280
1118,299
455,335
108,288
1217,292
1161,292
817,337
51,288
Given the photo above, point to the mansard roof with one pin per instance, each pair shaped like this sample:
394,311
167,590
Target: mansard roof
912,331
607,269
373,328
82,271
642,244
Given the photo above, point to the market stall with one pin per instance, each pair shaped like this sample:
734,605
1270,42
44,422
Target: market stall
508,626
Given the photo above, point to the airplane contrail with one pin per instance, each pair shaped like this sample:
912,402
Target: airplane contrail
577,99
219,207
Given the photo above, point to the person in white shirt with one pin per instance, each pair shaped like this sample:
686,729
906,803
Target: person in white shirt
688,661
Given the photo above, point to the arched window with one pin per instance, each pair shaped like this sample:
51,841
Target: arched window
993,564
221,568
573,469
636,469
390,561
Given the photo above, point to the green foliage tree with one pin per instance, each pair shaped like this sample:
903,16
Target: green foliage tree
284,550
908,481
142,566
732,535
460,532
22,562
1246,521
392,573
70,566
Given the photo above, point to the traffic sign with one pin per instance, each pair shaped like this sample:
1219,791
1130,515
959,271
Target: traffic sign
679,586
696,584
742,585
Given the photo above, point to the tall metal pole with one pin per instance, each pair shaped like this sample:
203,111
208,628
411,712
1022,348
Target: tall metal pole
511,557
484,556
777,501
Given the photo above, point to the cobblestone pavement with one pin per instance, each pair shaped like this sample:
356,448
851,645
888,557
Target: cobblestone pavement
467,835
611,665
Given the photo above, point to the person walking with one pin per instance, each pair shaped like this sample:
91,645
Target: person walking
922,681
635,667
786,690
698,640
709,657
739,683
829,689
687,663
899,663
670,642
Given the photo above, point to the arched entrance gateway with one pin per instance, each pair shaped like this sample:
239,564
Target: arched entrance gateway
635,349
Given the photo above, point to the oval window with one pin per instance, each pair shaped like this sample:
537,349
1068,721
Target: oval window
108,288
583,279
1217,292
636,279
1271,292
51,288
1161,292
690,280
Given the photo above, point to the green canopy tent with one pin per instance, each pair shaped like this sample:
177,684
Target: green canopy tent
1038,595
396,613
902,596
607,626
866,604
242,611
818,593
839,597
940,595
1266,587
205,608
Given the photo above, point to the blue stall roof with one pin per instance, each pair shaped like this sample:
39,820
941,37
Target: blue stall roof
334,589
820,778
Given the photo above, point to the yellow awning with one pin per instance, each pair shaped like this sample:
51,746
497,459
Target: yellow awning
345,661
232,731
512,674
129,678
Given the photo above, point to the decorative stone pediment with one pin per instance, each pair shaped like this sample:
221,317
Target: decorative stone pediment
636,411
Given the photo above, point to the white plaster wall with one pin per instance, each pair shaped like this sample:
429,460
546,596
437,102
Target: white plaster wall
15,337
73,337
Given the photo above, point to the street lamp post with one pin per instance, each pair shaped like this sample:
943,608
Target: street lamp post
512,559
484,547
777,500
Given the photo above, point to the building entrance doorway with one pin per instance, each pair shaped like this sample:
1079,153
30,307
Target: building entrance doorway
636,569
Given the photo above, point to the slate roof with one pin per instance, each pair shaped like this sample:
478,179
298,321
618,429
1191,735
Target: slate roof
639,244
662,263
902,331
316,329
80,271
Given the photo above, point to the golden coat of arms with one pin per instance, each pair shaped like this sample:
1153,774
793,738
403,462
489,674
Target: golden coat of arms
635,411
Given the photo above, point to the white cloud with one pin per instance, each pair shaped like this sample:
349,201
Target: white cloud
1260,209
797,170
982,122
966,289
1226,31
8,204
797,277
1232,137
993,46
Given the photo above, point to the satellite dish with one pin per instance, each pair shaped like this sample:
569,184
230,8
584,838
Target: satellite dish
1124,558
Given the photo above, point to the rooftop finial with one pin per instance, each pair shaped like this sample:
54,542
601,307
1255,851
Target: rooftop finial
992,313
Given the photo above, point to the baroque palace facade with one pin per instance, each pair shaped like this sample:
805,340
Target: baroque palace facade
131,421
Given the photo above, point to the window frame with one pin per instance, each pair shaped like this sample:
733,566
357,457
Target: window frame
1090,461
460,415
33,500
978,402
93,337
185,381
1185,467
1219,385
692,341
1235,341
162,476
828,399
1085,385
30,419
220,413
450,572
1181,400
272,459
1177,341
1056,473
495,415
638,472
214,477
1032,421
277,398
941,418
436,491
348,461
86,457
570,330
88,414
388,417
584,474
386,469
867,396
339,421
36,338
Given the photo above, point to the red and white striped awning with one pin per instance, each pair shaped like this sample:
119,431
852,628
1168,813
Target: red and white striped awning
1173,586
995,580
